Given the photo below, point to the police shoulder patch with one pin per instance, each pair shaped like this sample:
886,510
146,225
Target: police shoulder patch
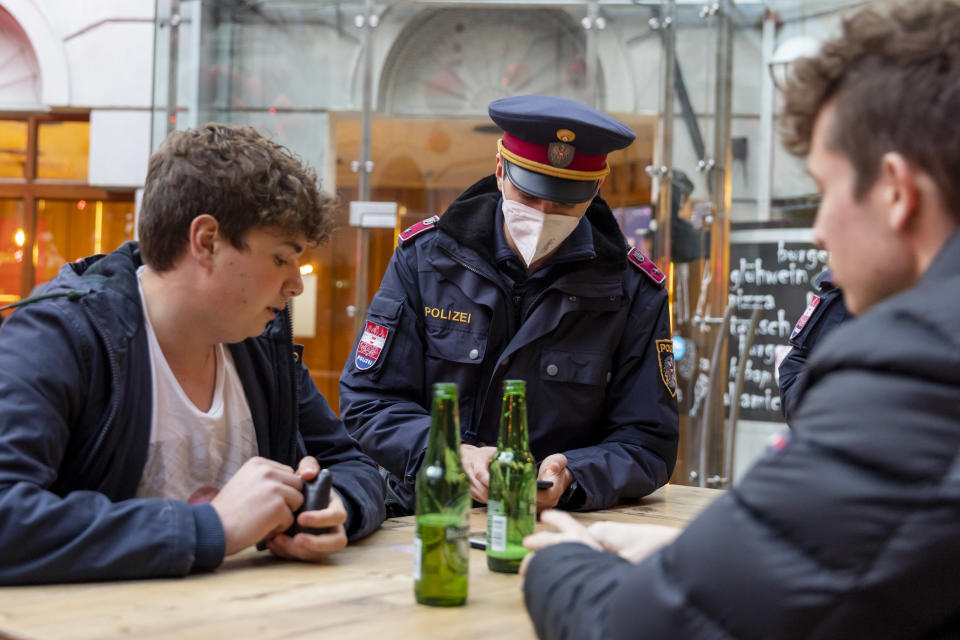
371,345
645,264
805,318
668,371
414,230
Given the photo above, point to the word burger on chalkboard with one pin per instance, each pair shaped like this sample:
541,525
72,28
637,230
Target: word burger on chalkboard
772,270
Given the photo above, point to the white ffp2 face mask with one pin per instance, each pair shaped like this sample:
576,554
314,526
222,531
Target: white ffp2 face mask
535,233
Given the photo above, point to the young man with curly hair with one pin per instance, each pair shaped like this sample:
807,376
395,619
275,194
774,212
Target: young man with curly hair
848,529
153,406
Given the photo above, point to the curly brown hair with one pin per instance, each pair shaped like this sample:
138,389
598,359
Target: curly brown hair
237,176
894,76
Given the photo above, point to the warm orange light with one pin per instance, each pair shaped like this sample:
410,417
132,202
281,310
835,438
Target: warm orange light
81,205
19,237
273,111
306,269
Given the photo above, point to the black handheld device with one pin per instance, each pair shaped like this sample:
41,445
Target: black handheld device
316,496
544,484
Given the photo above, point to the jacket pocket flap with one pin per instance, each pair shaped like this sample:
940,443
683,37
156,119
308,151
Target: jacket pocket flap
451,344
578,367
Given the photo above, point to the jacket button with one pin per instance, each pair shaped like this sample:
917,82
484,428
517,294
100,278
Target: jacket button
572,298
552,370
609,375
505,361
474,354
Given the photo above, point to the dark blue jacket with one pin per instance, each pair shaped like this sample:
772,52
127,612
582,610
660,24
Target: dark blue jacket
75,407
849,528
817,321
584,331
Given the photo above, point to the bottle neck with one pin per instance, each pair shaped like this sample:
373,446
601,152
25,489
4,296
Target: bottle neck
513,423
444,429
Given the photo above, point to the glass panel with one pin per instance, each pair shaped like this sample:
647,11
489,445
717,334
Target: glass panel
63,150
11,249
13,148
72,229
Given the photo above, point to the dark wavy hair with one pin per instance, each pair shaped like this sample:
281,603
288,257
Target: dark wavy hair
237,176
894,76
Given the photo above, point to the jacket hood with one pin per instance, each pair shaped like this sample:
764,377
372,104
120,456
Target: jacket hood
469,221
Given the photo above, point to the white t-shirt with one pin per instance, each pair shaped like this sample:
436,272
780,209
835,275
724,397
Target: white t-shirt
192,449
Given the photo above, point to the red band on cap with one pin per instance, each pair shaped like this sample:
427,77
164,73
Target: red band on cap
538,153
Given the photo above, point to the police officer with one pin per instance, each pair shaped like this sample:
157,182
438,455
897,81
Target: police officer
526,275
824,314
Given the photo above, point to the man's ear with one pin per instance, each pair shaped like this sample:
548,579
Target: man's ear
900,193
599,184
204,237
499,173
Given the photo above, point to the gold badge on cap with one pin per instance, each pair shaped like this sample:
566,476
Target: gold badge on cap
560,154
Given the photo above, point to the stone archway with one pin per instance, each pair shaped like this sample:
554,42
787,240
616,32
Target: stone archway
35,74
454,61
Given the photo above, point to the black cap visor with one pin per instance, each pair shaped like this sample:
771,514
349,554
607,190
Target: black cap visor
549,188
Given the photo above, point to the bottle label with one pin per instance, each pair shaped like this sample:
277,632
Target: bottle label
417,557
498,533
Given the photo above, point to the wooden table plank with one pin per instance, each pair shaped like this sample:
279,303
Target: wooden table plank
364,591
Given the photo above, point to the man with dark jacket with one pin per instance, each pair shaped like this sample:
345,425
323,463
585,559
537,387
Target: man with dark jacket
825,312
849,528
153,406
526,275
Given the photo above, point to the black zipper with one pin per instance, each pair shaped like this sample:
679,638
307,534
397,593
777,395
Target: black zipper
294,365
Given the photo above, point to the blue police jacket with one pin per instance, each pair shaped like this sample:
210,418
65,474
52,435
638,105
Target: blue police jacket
587,331
825,313
75,407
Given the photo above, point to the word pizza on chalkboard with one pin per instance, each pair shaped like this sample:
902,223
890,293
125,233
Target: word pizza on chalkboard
772,270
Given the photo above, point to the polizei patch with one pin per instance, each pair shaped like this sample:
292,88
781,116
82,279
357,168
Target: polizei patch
668,372
371,345
802,322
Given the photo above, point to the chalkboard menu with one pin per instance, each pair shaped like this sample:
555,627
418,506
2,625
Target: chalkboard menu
773,270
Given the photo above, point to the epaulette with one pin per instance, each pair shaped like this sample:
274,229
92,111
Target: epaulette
645,264
413,231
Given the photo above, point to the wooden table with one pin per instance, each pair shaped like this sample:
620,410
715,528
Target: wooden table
364,591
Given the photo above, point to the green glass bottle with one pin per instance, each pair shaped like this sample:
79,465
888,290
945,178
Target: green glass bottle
441,546
512,507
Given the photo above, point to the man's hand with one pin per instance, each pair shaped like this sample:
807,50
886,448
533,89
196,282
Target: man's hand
554,468
566,530
476,462
314,548
634,542
258,501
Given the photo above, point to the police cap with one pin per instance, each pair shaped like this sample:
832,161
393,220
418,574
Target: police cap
555,148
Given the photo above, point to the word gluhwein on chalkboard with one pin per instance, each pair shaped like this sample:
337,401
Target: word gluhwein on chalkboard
777,278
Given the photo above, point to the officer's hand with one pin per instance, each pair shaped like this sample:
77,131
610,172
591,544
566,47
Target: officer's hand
257,502
553,468
476,462
634,542
314,548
